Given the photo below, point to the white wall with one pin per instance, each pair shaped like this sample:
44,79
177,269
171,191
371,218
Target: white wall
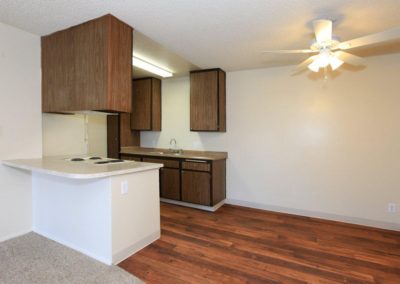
97,135
20,125
63,134
71,135
175,118
299,144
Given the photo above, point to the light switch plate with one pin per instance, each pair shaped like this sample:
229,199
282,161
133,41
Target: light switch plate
392,207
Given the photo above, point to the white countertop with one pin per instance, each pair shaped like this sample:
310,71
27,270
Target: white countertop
58,166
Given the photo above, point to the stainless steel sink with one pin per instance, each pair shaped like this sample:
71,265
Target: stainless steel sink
177,154
157,152
166,153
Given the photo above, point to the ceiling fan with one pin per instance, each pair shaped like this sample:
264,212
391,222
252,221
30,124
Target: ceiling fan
330,50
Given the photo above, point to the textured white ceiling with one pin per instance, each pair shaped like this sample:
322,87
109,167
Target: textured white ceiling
215,33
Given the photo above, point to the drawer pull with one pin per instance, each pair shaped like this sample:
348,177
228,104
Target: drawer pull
195,161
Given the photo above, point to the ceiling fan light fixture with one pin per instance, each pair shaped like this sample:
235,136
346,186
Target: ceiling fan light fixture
314,66
335,62
324,59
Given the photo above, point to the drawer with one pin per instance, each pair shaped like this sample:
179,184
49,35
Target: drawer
196,165
167,163
130,158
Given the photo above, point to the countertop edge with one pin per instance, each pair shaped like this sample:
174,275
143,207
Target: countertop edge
201,156
148,167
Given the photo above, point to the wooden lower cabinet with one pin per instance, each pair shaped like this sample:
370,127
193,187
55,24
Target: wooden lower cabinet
196,187
194,181
170,183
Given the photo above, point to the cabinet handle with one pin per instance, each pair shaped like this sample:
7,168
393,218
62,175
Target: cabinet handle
195,161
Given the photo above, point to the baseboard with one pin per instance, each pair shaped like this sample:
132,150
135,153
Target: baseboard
72,246
127,252
196,206
315,214
12,236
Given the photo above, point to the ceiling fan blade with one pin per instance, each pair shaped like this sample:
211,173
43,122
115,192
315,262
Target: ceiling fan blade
371,39
323,30
304,64
290,51
349,58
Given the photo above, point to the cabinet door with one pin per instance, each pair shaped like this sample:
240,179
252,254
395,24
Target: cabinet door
146,104
196,187
141,104
170,183
128,137
204,101
156,105
113,136
119,134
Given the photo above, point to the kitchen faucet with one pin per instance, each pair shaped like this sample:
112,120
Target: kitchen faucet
170,143
173,148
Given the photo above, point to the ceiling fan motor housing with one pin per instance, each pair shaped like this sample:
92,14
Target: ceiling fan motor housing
327,44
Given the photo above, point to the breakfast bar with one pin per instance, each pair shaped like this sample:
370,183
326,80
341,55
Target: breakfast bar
107,209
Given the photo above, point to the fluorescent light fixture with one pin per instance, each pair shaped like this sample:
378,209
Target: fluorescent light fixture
140,63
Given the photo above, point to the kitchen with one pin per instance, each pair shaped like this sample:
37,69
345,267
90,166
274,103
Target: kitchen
297,148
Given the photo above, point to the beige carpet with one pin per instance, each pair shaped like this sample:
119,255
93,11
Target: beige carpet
34,259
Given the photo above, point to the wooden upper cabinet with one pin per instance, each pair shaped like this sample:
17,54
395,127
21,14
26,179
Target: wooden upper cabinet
207,100
146,104
88,67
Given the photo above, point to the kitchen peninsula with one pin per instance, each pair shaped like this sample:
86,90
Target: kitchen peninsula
105,208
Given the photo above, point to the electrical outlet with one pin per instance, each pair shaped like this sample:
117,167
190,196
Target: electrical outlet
124,187
392,208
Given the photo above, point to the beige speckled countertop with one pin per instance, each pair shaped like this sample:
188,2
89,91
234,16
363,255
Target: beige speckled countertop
186,154
57,166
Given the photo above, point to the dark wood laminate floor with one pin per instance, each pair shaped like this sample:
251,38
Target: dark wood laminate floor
242,245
